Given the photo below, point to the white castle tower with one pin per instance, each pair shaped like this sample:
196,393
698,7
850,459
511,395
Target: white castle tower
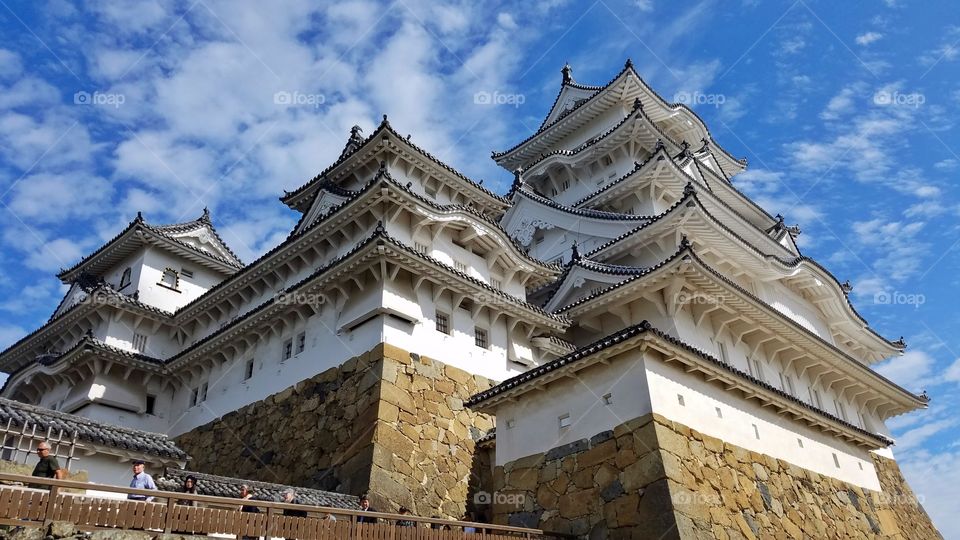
697,327
658,356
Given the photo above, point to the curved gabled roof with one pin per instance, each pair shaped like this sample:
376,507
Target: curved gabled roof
123,244
635,114
17,414
580,212
787,265
84,345
686,252
652,97
296,198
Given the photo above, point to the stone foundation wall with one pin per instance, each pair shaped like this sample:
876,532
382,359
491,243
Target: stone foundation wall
651,477
387,422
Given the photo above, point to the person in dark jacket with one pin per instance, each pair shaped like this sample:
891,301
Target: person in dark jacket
365,507
290,497
189,486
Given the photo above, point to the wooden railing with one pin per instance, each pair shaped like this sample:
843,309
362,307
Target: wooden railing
21,505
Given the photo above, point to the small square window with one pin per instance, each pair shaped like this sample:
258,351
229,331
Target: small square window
186,273
680,400
564,421
608,399
510,423
460,266
287,349
719,412
421,248
480,338
248,370
443,323
301,342
800,443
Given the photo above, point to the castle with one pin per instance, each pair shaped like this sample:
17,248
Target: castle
656,354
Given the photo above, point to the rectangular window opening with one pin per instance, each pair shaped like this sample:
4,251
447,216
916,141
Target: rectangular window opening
151,404
719,412
800,443
301,342
248,370
186,273
756,431
139,342
287,349
203,393
608,399
194,394
564,421
480,338
680,400
836,461
443,323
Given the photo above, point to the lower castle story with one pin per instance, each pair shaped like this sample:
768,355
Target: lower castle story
394,424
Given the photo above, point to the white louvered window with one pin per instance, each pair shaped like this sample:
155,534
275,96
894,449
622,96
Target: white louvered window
756,369
422,248
139,342
301,342
815,398
786,384
287,349
841,410
496,284
723,352
460,266
124,279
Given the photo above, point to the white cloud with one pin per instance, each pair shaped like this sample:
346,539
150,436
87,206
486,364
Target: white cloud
10,65
952,373
643,5
946,164
841,103
935,479
912,370
915,437
9,334
868,38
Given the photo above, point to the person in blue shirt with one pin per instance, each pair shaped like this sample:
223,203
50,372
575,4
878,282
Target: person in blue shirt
141,480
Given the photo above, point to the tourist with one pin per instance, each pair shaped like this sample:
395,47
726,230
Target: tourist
404,522
189,486
290,497
472,518
48,466
246,494
141,480
365,507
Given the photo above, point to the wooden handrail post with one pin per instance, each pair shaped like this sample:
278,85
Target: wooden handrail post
51,504
270,515
168,521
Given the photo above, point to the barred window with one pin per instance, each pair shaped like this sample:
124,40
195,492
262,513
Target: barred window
139,342
301,342
443,322
480,338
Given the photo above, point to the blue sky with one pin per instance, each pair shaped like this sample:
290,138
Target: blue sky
845,110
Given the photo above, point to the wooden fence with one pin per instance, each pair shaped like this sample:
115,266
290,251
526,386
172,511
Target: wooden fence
221,515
